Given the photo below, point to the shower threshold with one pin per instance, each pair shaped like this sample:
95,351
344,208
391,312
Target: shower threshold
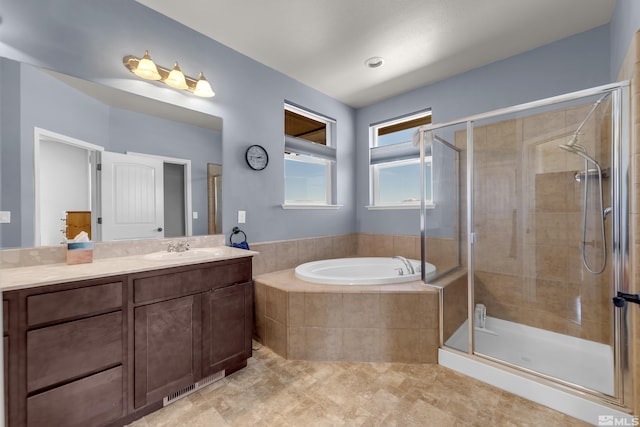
575,360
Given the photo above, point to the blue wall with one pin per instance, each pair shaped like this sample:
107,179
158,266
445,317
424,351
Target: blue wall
88,39
10,151
574,63
624,24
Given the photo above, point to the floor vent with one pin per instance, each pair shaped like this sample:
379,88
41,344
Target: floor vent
192,388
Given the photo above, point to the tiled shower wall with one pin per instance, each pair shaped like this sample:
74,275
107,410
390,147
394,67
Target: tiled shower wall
527,217
631,71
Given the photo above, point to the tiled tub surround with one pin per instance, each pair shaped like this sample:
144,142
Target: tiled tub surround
282,255
274,256
383,323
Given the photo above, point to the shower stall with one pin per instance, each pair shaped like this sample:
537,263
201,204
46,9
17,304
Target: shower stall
540,212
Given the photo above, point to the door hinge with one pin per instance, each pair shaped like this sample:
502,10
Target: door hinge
99,167
99,220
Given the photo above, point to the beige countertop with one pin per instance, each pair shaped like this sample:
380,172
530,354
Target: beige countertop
27,277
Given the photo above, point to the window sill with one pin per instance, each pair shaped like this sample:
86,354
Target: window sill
310,206
397,207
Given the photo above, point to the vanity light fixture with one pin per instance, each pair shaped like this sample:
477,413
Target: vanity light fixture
144,67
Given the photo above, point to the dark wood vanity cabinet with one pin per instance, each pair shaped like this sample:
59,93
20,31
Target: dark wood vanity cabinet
189,323
5,343
227,319
104,352
66,354
167,347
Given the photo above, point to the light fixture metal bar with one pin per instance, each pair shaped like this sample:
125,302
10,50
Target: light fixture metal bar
131,62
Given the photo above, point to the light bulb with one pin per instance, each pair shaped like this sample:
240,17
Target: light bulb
176,78
203,88
146,68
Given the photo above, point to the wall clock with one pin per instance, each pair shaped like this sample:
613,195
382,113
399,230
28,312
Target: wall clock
257,157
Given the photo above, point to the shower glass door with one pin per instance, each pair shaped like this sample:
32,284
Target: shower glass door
544,270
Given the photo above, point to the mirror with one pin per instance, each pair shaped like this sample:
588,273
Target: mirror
42,105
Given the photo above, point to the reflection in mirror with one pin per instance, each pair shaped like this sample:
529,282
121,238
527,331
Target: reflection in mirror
215,198
54,132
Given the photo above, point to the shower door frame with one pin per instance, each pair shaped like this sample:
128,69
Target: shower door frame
620,235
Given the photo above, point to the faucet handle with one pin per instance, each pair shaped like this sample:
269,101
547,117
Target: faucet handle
171,247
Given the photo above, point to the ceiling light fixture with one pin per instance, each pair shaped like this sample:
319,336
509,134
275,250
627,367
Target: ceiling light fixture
144,67
374,62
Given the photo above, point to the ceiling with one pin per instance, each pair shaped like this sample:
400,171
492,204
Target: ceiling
324,43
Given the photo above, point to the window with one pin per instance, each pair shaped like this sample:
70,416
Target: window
395,163
309,159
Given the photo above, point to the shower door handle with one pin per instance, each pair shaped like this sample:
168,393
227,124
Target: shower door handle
621,299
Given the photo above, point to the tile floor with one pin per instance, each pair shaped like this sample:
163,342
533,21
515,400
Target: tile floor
272,391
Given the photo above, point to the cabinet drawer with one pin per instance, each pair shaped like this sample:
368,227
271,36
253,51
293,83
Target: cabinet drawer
229,274
56,306
70,350
166,286
90,402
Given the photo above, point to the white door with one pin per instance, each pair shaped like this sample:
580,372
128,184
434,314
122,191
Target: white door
64,185
132,197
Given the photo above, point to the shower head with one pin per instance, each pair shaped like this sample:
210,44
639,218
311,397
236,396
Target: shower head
568,147
580,151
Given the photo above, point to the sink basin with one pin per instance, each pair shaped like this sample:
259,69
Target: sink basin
186,255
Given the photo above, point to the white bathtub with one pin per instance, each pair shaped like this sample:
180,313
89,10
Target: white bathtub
361,271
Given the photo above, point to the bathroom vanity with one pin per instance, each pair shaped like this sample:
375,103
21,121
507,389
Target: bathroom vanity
105,343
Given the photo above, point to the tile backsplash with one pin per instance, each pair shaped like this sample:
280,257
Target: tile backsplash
27,257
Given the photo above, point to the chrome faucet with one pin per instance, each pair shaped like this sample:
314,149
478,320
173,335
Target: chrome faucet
182,246
407,264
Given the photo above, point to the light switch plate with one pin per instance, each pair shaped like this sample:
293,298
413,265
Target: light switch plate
195,215
5,217
242,217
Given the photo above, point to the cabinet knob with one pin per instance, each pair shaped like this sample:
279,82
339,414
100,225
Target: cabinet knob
159,229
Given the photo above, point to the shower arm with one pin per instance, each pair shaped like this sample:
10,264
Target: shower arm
574,138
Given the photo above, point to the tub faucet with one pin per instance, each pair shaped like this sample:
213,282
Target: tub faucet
407,264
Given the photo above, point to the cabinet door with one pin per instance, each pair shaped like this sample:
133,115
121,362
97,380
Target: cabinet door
227,323
167,348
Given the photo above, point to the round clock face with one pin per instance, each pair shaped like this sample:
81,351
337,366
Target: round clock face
257,157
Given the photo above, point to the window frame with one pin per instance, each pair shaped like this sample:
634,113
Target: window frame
314,153
394,155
